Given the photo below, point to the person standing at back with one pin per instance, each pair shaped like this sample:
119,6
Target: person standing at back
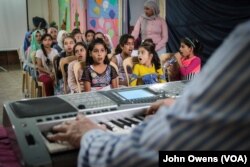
151,25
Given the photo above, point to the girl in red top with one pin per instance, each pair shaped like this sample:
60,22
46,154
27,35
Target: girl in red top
189,62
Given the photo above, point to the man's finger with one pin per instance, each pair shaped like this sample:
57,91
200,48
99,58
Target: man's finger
80,116
57,137
60,128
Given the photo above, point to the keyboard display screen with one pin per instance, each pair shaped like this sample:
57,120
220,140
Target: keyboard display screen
135,94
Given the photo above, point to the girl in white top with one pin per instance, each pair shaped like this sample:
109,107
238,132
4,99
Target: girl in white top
123,50
44,58
80,51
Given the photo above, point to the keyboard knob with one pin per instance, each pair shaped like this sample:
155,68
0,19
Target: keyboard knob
81,106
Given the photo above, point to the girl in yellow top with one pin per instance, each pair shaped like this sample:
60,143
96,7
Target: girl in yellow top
149,68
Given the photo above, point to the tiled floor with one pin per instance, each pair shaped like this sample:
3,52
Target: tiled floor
10,86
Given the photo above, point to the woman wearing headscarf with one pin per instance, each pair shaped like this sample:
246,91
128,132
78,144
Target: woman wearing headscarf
35,45
27,40
151,25
59,45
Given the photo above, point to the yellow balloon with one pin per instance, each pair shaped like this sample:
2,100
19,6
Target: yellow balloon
96,10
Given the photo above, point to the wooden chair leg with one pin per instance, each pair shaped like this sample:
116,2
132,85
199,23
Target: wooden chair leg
29,86
23,81
33,88
42,89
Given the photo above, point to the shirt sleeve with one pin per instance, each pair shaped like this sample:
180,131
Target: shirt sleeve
161,75
134,76
113,73
135,33
187,70
86,76
164,35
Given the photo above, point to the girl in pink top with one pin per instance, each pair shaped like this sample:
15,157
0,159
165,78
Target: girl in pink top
189,62
150,25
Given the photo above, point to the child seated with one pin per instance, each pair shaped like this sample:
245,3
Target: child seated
98,74
189,62
80,51
149,68
44,58
123,50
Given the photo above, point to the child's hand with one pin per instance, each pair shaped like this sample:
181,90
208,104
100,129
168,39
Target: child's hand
178,56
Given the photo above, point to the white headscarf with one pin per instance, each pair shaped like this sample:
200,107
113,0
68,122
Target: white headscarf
60,38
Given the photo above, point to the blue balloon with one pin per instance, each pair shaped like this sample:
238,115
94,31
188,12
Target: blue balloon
112,14
93,23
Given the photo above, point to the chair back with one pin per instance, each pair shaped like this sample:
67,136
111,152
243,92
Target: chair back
20,56
65,61
78,66
110,55
55,66
128,65
189,77
172,72
164,57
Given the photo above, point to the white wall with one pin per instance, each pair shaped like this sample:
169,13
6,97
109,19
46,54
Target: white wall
136,9
13,24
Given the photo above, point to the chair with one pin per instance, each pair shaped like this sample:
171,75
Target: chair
172,73
110,55
55,66
128,65
20,56
35,88
77,67
117,71
166,56
189,77
24,73
65,61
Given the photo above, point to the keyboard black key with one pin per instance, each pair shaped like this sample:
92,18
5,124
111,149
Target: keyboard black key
118,124
108,127
132,121
124,122
139,117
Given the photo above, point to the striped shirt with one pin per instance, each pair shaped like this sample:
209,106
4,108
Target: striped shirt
212,114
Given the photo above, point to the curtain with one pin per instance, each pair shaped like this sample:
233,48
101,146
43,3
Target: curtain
210,21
